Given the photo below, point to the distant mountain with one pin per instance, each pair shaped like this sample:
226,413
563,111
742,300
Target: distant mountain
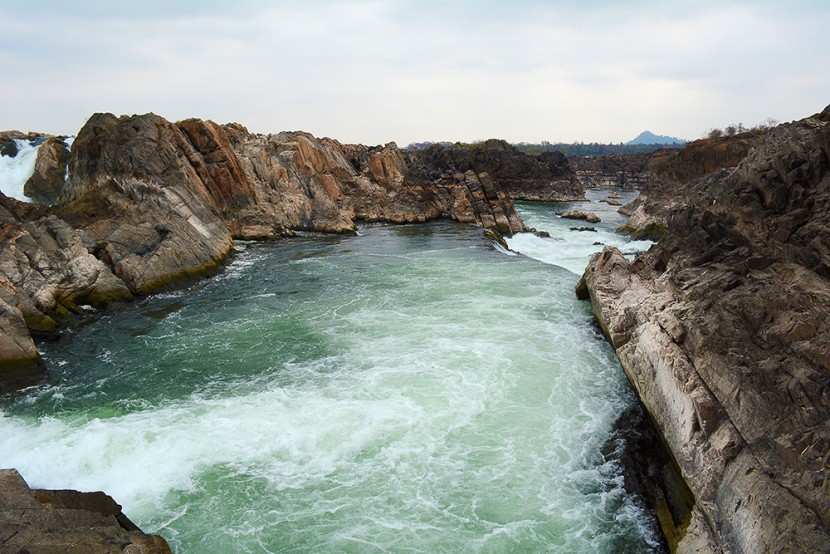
647,137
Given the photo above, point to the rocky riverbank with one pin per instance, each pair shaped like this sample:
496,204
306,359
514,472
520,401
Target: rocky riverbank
628,171
664,177
722,329
149,204
546,177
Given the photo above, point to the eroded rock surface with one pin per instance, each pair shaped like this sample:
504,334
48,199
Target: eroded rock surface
627,171
723,330
150,204
45,184
39,521
590,217
546,177
668,174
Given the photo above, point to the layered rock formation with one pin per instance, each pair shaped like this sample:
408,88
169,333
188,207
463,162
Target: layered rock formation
150,204
67,521
621,170
546,177
668,173
723,330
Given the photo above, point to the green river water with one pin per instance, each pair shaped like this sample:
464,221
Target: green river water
410,389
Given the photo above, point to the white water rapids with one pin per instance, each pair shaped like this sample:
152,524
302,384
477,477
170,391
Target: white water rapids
411,389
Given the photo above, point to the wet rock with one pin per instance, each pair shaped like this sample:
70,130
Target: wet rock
584,229
46,521
8,147
46,183
21,365
590,217
46,274
731,357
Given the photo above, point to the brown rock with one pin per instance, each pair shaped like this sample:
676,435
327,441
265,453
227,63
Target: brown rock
590,217
546,177
20,363
141,200
151,205
45,184
628,171
51,521
669,172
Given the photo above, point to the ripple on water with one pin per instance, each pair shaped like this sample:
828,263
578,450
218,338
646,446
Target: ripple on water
393,392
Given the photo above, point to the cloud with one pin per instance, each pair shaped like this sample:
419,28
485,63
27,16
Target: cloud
374,71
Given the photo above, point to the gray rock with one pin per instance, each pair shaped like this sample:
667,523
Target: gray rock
66,521
722,330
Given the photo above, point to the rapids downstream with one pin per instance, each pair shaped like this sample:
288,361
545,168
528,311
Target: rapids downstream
411,389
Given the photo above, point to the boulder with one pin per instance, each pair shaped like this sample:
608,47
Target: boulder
21,364
46,521
590,217
8,147
45,184
722,330
142,202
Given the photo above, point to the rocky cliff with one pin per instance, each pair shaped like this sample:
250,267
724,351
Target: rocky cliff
722,329
546,177
667,174
621,170
150,204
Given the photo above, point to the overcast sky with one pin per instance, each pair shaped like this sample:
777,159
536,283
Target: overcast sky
377,71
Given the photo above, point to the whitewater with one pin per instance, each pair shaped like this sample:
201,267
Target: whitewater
16,170
410,389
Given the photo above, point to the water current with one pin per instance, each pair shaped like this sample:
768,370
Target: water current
16,170
411,389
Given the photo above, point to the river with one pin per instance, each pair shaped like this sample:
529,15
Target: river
412,389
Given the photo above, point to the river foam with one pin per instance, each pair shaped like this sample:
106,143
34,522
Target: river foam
411,389
15,171
569,248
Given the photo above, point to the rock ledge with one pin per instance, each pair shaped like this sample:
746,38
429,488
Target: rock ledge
37,521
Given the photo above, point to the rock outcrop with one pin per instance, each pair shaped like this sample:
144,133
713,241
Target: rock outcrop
723,330
669,172
590,217
46,274
627,171
67,521
8,147
150,204
546,177
45,184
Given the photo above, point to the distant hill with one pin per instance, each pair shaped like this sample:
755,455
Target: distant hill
592,149
647,137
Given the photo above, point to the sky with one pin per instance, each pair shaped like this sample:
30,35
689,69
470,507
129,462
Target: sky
377,71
